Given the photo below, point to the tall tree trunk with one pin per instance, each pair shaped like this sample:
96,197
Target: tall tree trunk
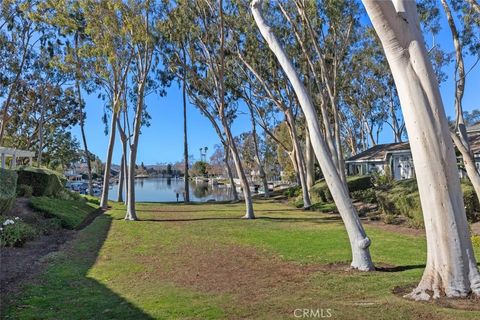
131,210
451,267
108,161
263,176
236,158
84,139
185,142
358,239
40,136
300,160
469,162
121,179
82,118
125,173
249,214
229,172
460,76
309,160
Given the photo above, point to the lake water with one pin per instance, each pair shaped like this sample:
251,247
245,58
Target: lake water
163,189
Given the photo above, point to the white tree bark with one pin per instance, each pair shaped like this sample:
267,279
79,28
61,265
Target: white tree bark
451,267
258,160
131,210
121,179
108,161
298,153
249,214
309,160
229,172
358,239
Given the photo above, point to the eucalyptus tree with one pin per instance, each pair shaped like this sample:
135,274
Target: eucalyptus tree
141,19
209,80
268,88
39,122
109,50
451,268
466,39
20,37
68,19
359,241
365,96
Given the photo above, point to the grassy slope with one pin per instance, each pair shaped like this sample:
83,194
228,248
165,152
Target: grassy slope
117,269
70,212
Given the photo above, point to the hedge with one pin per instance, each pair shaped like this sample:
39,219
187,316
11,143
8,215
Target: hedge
44,182
8,185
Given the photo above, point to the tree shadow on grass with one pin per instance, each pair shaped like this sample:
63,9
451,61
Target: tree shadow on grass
215,210
64,290
399,268
273,219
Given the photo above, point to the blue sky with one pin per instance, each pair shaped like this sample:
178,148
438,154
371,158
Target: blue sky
163,140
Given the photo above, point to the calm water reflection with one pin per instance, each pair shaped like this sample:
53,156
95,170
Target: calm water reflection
162,189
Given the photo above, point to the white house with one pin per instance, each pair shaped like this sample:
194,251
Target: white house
395,156
398,158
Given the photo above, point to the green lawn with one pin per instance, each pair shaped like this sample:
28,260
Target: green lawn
70,212
203,262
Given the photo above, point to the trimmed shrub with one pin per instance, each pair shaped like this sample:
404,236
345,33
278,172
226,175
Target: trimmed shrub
44,182
24,191
14,232
8,185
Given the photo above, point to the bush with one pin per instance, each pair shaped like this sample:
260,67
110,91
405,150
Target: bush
320,192
14,232
402,198
383,179
8,185
24,191
44,182
292,192
366,196
472,207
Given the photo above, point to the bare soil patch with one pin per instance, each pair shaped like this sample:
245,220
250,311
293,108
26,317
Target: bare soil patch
231,269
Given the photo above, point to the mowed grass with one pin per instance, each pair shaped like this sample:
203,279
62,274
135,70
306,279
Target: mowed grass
202,261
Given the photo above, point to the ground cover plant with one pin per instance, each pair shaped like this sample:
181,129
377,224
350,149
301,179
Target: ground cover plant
70,212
